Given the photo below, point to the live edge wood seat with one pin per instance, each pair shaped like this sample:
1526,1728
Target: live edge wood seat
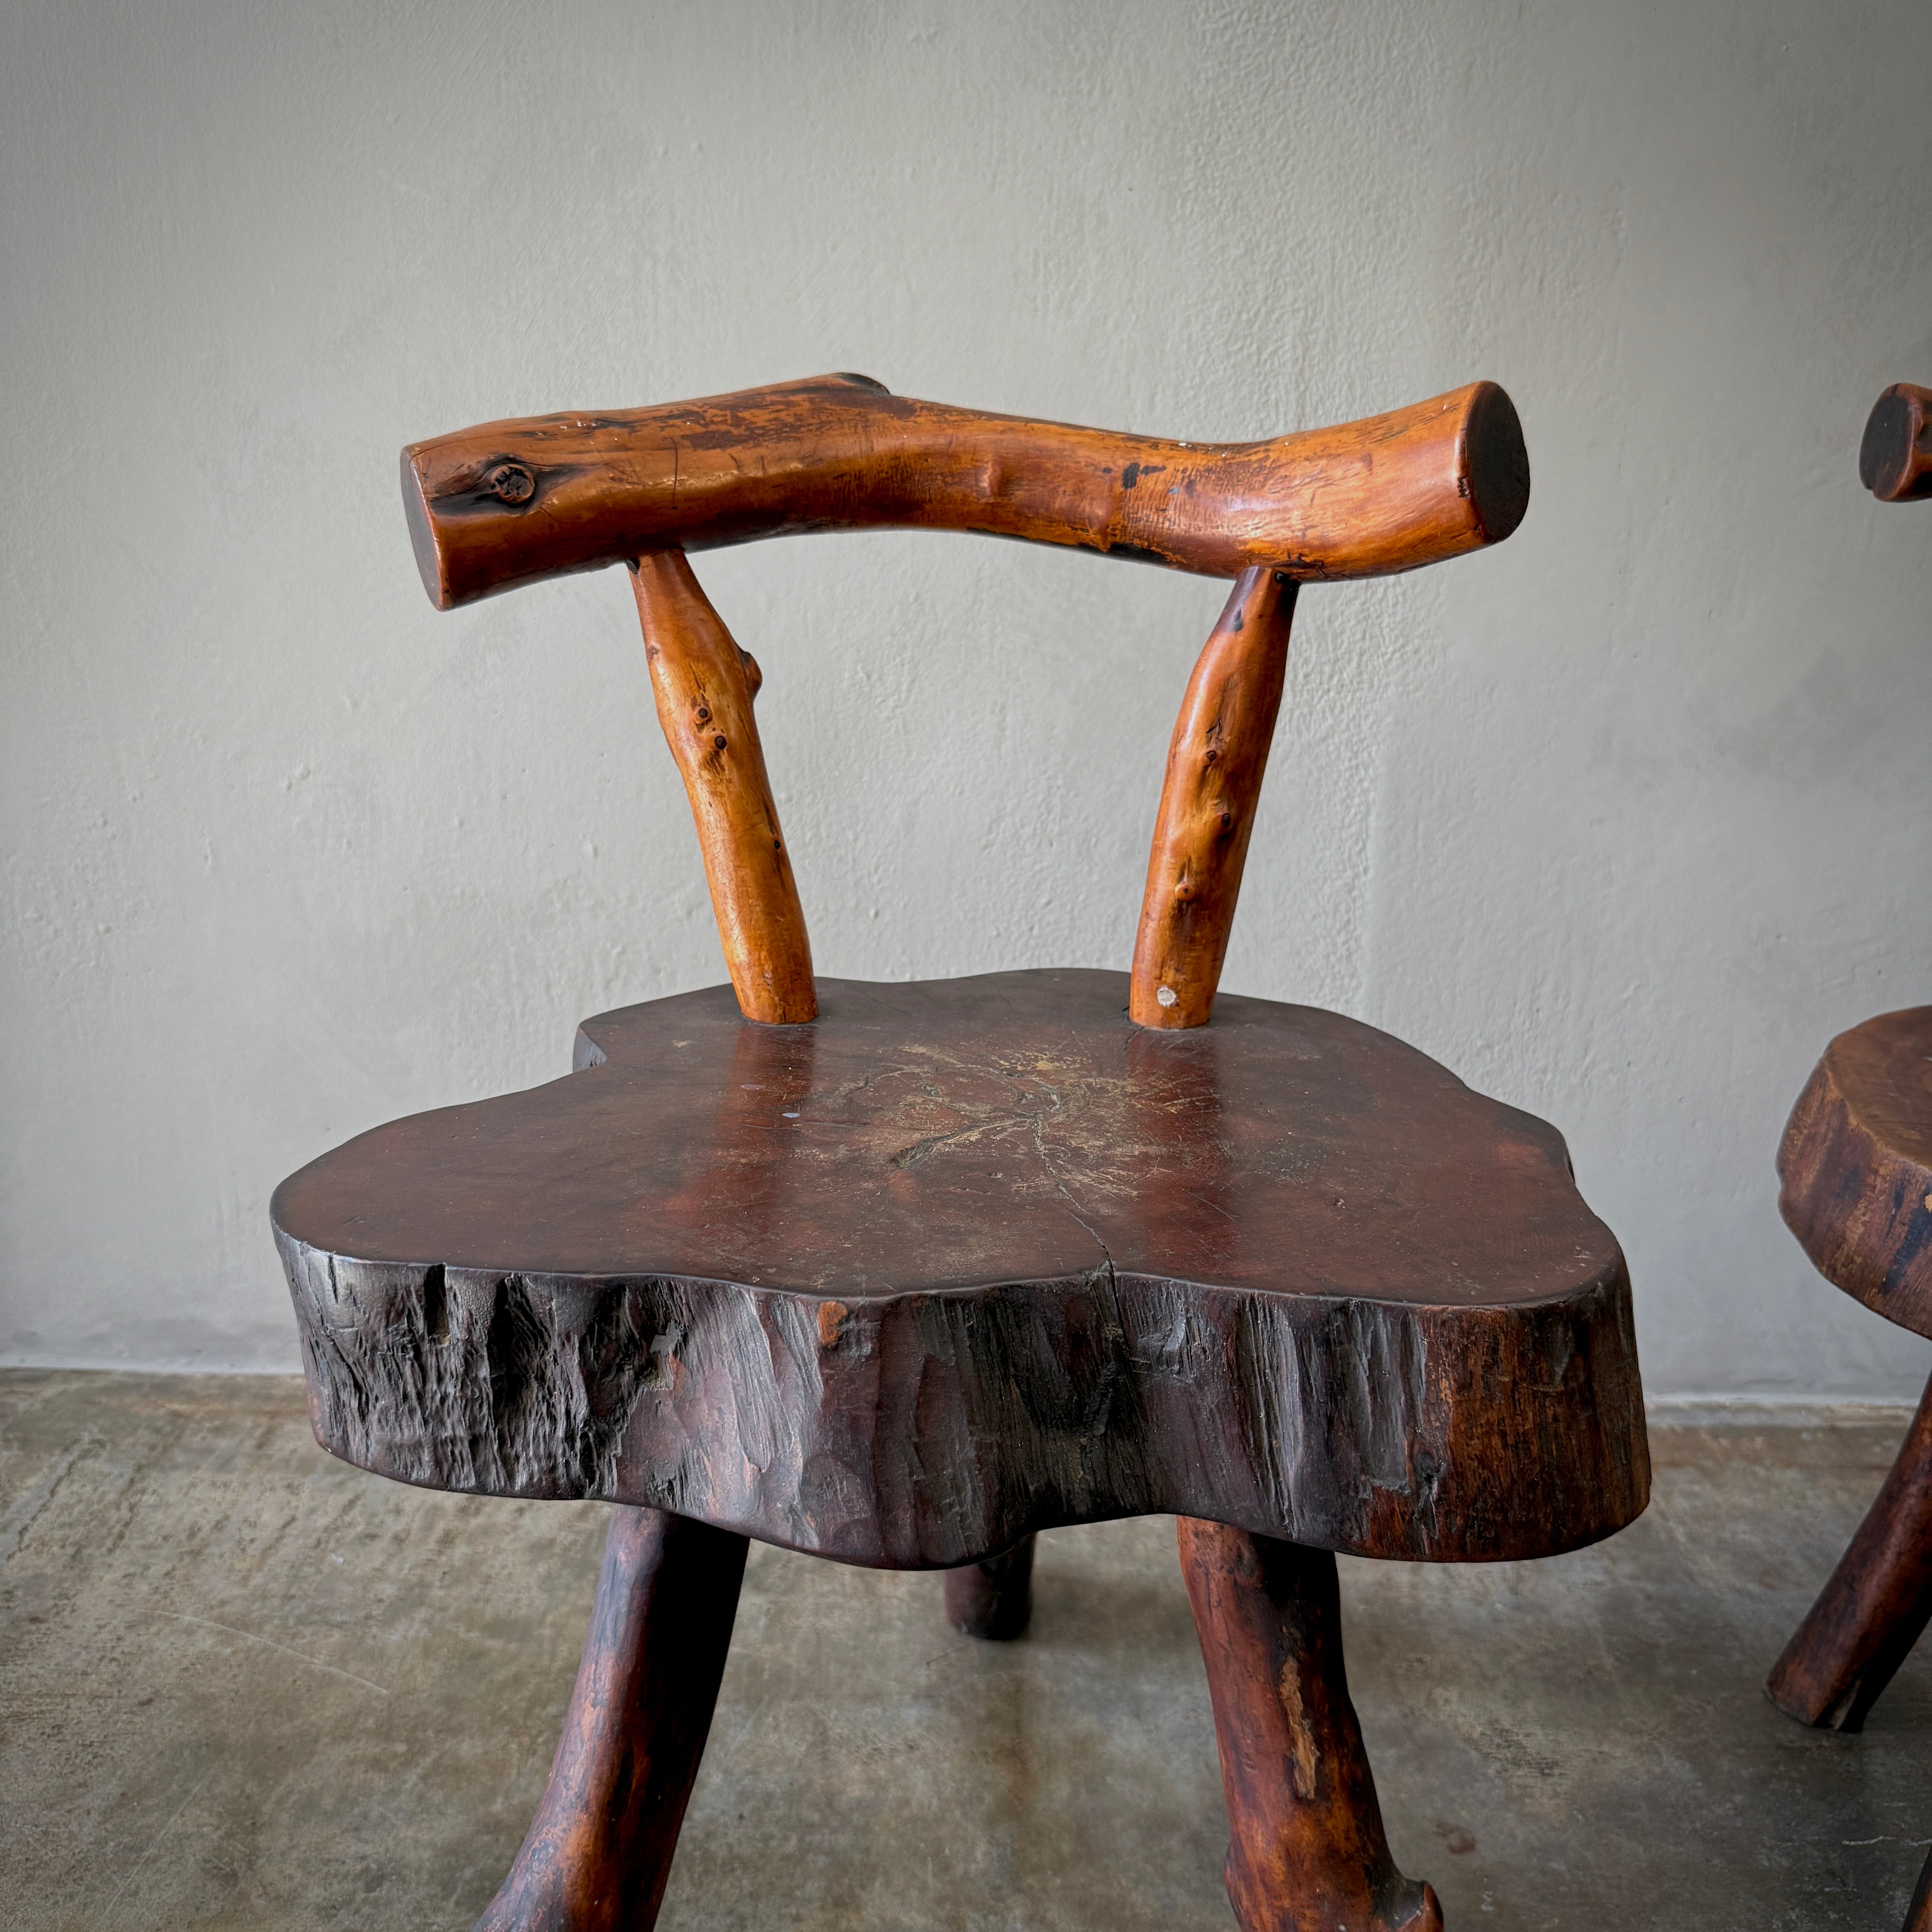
901,1274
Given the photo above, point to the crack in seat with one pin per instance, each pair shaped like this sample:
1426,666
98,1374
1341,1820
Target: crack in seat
901,1274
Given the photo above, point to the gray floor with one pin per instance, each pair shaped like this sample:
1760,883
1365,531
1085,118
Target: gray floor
241,1685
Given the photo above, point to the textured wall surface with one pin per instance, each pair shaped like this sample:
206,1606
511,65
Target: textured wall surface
1622,820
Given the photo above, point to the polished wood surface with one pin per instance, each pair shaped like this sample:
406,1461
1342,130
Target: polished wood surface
1856,1166
599,1852
508,502
1876,1604
1215,761
704,686
967,1258
1307,1852
1895,456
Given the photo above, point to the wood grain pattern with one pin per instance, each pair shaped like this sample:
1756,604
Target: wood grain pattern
599,1852
509,503
1216,761
1895,453
966,1259
704,686
1307,1851
1875,1606
1856,1166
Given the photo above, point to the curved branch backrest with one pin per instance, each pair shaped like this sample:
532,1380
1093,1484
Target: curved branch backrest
507,503
1895,455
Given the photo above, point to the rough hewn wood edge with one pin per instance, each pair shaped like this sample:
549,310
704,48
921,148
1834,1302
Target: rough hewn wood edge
933,1430
704,686
1859,1209
1215,761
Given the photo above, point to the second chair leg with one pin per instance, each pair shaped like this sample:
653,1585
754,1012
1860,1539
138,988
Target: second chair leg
1918,1918
1870,1612
599,1849
994,1598
1308,1852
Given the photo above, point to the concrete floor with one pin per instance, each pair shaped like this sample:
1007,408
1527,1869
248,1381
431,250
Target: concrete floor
242,1685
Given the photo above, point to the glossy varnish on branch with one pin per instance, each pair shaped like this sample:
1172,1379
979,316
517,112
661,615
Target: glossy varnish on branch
1215,763
704,686
508,502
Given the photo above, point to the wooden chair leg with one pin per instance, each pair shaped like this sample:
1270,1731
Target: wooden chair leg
599,1849
1870,1612
992,1599
1307,1851
1918,1916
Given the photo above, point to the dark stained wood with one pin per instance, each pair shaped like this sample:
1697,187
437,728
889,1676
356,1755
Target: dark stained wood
993,1599
704,685
1876,1604
1307,1852
1856,1166
1918,1918
508,502
599,1852
1895,455
965,1259
1215,761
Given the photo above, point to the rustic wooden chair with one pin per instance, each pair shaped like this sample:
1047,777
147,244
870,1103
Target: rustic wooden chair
900,1274
1856,1169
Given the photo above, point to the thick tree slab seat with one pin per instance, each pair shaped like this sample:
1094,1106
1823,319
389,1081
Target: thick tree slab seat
964,1259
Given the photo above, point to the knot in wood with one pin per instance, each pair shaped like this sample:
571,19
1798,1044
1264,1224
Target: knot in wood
511,483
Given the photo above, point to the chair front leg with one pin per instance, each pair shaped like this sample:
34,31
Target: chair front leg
1307,1851
1875,1604
599,1849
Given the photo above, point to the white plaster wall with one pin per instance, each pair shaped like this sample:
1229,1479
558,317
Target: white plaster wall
1623,820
